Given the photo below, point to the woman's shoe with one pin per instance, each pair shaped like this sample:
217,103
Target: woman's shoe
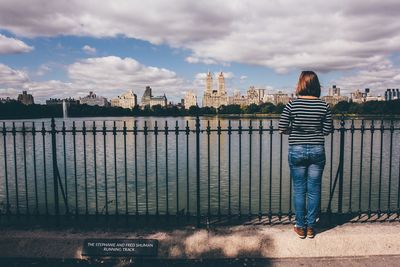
310,232
300,232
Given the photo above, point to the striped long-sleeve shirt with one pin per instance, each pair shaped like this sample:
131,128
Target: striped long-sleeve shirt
306,121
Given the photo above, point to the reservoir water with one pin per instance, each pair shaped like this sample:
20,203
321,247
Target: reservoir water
176,171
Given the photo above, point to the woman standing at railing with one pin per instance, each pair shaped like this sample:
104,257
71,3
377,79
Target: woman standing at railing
307,119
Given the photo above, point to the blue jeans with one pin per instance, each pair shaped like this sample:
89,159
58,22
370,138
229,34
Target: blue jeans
306,164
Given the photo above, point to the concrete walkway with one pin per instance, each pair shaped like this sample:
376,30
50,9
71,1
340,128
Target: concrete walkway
276,242
368,261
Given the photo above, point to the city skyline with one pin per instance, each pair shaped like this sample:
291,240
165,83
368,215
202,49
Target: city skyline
66,50
213,97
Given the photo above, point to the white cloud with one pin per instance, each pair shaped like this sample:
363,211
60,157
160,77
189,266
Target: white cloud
43,90
227,75
10,77
378,77
195,60
114,73
242,78
13,46
283,35
89,50
108,76
11,81
42,70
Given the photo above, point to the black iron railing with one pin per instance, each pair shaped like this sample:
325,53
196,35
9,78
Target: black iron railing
208,178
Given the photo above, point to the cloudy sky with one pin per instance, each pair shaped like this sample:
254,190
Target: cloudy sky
66,48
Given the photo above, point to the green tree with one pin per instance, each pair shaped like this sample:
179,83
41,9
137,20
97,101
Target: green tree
279,108
208,110
267,108
341,107
194,110
354,108
373,107
230,109
157,110
252,108
392,107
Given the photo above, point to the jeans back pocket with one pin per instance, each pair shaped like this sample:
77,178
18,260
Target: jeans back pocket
317,154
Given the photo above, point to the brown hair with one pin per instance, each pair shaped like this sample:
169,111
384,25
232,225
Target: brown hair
308,84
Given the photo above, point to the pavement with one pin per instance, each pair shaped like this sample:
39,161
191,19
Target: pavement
350,244
369,261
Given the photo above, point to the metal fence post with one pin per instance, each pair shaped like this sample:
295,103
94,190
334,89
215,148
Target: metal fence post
341,163
198,168
55,169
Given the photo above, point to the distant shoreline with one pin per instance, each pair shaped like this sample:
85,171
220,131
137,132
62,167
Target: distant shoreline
225,116
336,116
368,110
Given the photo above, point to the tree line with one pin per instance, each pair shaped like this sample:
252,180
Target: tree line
17,110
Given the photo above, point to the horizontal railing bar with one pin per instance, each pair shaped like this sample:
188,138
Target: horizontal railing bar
110,130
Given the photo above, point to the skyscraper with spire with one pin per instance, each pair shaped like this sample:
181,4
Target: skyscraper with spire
215,98
209,82
221,84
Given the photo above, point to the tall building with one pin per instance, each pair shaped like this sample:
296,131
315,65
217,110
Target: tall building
126,100
357,97
334,91
190,99
366,92
149,100
146,97
268,98
180,105
334,96
221,84
25,98
281,98
261,94
237,99
158,100
369,97
209,83
392,94
94,100
252,96
215,98
361,97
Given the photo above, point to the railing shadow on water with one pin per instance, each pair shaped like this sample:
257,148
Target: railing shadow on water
194,172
